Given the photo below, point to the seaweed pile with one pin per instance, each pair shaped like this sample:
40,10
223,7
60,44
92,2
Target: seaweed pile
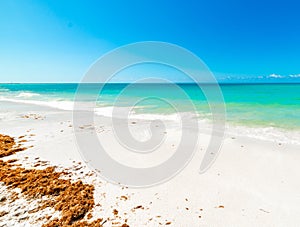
74,200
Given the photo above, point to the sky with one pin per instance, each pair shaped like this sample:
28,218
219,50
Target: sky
240,41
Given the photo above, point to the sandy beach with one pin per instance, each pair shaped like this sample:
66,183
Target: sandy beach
149,113
252,183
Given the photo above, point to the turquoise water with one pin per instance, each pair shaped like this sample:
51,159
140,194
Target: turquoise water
267,105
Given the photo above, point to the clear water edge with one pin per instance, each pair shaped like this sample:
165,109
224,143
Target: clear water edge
260,108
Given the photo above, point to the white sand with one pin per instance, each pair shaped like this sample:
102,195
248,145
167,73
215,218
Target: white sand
252,183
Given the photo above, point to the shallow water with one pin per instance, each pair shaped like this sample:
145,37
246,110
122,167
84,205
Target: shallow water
254,105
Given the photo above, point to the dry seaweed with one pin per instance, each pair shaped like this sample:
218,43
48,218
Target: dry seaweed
73,199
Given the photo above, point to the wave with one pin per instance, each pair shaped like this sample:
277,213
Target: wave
267,133
110,111
106,111
63,105
4,90
27,95
272,134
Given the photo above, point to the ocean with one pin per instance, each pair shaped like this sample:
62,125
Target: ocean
256,106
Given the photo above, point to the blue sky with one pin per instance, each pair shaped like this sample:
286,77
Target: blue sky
56,41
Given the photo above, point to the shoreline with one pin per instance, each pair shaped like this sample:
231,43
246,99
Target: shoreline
251,182
264,133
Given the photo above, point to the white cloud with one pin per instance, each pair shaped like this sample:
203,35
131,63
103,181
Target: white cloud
295,76
275,76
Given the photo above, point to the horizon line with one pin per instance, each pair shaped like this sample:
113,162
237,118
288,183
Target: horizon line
223,82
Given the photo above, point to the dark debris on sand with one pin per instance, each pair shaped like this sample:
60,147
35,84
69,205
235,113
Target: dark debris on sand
73,199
